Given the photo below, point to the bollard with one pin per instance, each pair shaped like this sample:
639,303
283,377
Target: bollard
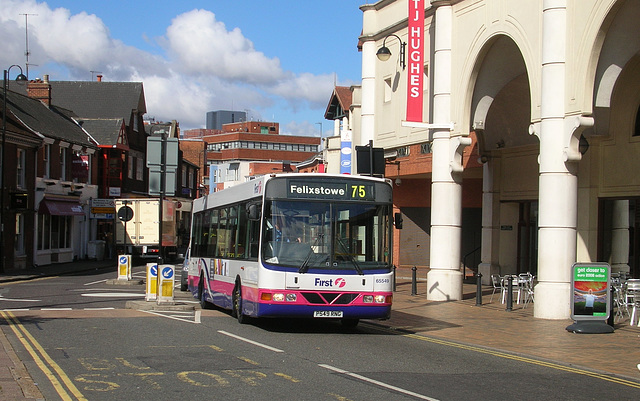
414,281
394,278
479,289
509,293
611,319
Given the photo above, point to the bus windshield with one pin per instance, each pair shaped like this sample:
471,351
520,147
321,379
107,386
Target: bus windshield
308,235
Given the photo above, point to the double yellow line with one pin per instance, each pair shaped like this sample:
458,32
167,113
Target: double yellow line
58,378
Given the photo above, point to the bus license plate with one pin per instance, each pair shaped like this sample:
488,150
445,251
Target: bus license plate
327,313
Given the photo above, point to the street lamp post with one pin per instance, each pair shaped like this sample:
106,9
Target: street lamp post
20,77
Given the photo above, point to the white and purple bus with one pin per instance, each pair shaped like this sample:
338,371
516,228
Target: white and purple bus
295,245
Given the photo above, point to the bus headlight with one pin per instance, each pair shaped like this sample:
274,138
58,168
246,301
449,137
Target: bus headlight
380,299
292,297
367,299
278,297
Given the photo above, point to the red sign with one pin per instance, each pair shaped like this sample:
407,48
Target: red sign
416,63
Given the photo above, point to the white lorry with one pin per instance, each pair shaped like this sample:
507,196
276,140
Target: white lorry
137,227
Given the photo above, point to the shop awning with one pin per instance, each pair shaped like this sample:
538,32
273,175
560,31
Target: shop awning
60,208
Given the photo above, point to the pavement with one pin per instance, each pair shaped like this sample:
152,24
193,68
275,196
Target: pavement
486,328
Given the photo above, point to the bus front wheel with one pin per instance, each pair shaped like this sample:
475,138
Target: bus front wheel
203,304
237,304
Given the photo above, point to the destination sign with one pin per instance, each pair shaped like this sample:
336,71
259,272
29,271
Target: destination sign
330,190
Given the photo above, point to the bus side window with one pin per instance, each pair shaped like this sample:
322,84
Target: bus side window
242,231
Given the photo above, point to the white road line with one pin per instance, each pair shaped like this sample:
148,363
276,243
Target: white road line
250,341
113,295
15,310
96,282
55,309
19,300
377,383
182,319
99,308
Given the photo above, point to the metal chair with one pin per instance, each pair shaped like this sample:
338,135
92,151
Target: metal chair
496,282
528,290
632,298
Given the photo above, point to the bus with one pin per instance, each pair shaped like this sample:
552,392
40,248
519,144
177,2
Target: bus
295,246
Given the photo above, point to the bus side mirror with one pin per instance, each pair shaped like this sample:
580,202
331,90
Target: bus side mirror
397,220
253,211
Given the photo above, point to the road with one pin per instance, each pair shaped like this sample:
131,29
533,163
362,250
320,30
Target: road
78,342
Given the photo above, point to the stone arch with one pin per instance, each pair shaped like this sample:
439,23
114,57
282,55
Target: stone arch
615,51
500,109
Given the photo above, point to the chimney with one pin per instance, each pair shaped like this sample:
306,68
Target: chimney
40,90
99,77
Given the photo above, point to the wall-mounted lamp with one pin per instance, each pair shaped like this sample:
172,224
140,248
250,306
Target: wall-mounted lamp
384,53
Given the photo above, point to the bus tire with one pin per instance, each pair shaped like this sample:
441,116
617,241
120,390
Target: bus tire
236,311
203,304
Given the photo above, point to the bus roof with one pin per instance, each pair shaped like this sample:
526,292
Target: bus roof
256,187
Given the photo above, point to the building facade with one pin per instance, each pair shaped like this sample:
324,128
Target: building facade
250,148
216,119
530,111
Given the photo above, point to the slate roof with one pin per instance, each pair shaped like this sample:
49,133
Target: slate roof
105,130
51,122
92,99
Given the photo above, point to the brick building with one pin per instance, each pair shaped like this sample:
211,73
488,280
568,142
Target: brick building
232,153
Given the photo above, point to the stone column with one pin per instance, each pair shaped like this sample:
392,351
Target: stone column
620,236
490,222
558,179
444,280
367,128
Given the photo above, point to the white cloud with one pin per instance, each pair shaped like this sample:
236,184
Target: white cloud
312,89
205,66
203,45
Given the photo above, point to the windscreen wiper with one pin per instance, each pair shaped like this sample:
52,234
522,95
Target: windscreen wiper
304,267
351,258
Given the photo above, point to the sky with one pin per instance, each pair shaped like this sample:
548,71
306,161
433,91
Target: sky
276,59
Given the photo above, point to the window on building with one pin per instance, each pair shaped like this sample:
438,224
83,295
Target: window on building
59,232
388,89
44,232
139,169
47,161
20,172
63,164
183,176
131,160
19,239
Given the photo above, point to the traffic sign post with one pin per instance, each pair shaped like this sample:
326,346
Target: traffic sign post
124,267
152,282
166,279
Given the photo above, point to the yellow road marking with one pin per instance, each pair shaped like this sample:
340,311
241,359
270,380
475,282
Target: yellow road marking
531,361
29,343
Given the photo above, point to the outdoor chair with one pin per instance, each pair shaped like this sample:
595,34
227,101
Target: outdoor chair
496,282
632,299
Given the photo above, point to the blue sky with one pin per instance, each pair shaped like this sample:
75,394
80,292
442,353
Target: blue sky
277,59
